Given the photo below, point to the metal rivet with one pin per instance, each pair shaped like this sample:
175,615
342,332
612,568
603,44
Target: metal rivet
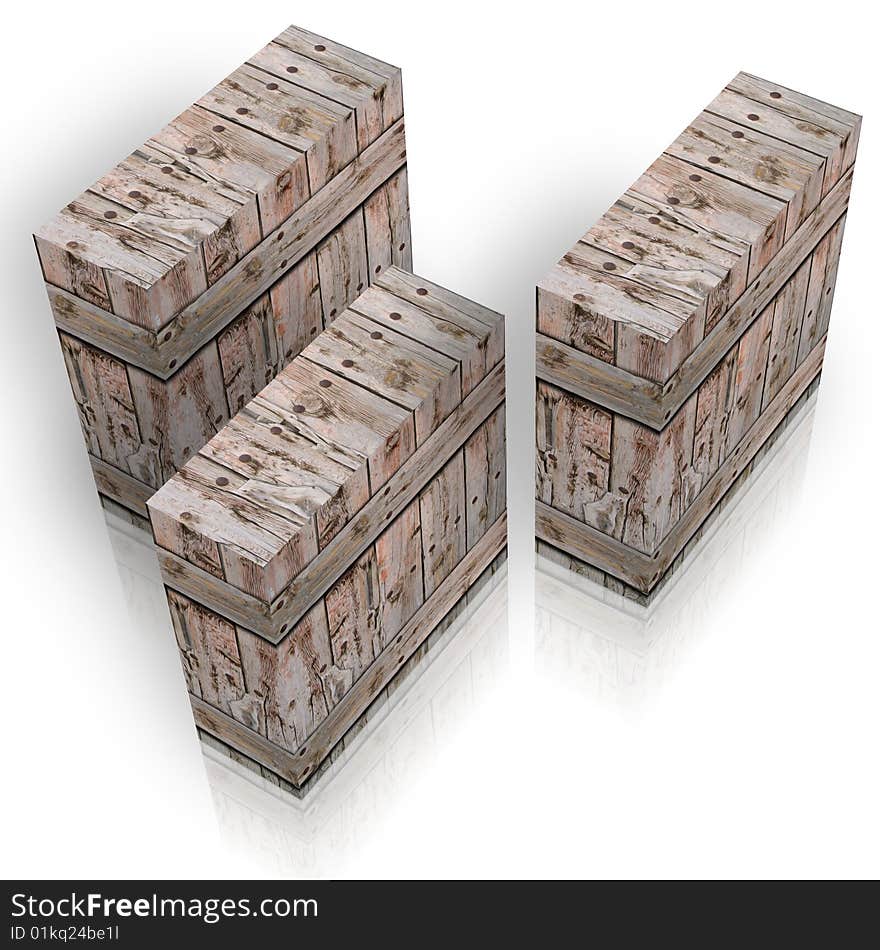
394,315
654,219
314,330
375,335
401,246
714,160
167,170
348,363
167,337
280,236
752,117
109,214
378,268
73,245
320,48
360,287
190,150
186,516
218,128
325,383
628,245
221,481
609,266
775,95
333,312
284,263
271,85
737,134
275,430
299,407
172,364
134,194
292,69
673,200
283,628
579,297
241,110
244,457
695,177
422,292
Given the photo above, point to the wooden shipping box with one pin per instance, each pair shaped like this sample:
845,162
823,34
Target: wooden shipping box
316,540
677,334
183,280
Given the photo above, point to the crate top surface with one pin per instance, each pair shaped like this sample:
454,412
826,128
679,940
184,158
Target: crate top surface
687,238
171,218
296,464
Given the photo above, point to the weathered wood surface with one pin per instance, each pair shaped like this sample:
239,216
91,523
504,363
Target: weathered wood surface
643,571
296,766
578,370
324,531
657,274
672,333
202,263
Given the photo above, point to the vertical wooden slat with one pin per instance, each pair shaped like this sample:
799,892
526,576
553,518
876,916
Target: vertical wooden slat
485,461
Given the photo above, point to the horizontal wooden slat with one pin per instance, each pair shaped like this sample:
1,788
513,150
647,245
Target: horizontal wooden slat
643,571
655,405
120,486
328,565
164,352
297,767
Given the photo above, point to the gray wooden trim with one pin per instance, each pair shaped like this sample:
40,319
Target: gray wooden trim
644,571
296,767
165,351
654,405
272,622
121,487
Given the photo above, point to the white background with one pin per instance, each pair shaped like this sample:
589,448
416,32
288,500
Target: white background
749,747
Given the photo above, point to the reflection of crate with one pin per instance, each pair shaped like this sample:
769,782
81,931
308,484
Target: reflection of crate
313,544
680,331
183,280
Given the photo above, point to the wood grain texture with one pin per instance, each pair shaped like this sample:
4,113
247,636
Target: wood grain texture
660,270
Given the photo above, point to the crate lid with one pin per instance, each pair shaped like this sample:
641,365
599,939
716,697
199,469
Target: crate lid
374,396
168,221
659,270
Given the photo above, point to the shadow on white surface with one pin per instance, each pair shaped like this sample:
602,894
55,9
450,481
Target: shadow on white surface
594,640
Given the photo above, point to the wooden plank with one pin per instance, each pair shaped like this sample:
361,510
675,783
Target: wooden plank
830,277
654,406
392,365
386,218
464,340
798,106
291,686
761,162
351,63
352,606
398,651
104,402
324,130
399,569
345,417
637,568
284,246
652,482
176,416
567,322
442,507
120,486
717,204
751,367
315,572
485,459
446,307
248,351
342,266
810,328
788,316
208,652
715,404
572,450
296,309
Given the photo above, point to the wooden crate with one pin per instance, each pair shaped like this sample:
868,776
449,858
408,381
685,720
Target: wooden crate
183,280
316,540
680,330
